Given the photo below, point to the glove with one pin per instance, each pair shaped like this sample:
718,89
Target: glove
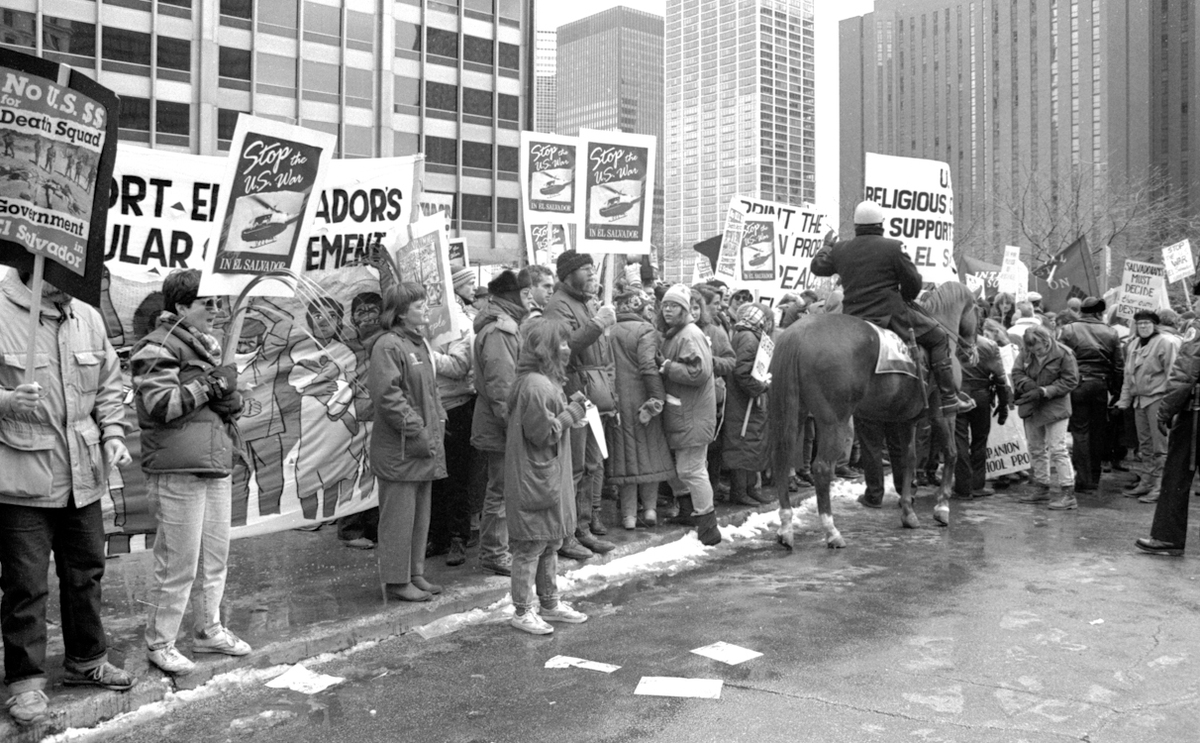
1001,414
1032,395
606,317
579,397
577,411
228,407
649,409
1164,423
222,380
830,239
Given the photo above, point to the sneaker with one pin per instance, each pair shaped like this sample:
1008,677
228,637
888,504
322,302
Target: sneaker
1151,497
458,553
361,543
171,661
530,622
565,613
27,707
629,523
221,641
106,676
650,517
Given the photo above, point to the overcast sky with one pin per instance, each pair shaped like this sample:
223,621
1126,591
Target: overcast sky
554,13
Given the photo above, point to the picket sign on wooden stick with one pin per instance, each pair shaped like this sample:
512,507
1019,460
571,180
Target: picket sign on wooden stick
35,314
610,263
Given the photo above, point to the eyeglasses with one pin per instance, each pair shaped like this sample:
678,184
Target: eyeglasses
211,303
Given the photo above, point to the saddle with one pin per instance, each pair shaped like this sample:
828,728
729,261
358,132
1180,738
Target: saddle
895,357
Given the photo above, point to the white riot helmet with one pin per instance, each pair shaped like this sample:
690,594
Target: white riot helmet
868,212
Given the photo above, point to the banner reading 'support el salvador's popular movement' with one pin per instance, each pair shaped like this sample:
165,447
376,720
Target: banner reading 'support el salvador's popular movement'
267,205
917,198
58,135
618,197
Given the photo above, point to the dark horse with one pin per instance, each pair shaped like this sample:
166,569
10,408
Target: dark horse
824,366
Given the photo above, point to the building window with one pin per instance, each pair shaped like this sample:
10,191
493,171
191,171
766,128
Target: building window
135,113
507,210
360,87
358,141
477,102
19,29
441,43
479,6
322,24
510,56
122,45
277,17
68,37
234,63
278,72
477,155
405,143
476,208
478,50
441,151
323,80
407,91
177,3
237,8
172,118
360,31
507,159
408,38
226,123
508,107
509,9
174,54
440,96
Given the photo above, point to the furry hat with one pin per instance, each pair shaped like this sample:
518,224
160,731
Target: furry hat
504,283
571,261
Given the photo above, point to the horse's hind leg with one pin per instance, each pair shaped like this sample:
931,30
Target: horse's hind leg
941,510
829,450
903,434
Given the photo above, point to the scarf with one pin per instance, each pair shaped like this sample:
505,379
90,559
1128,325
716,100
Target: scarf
205,345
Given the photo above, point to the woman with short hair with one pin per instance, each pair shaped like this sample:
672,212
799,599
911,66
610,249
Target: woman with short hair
1043,376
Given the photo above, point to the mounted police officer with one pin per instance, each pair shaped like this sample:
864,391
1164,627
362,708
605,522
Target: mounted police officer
881,285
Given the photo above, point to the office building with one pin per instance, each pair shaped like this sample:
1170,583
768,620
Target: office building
610,77
545,83
1080,105
740,115
450,78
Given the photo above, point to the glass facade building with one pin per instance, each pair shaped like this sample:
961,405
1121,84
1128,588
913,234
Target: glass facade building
740,114
610,77
545,83
450,78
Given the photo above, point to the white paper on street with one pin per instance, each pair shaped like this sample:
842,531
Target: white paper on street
298,678
566,661
671,686
726,653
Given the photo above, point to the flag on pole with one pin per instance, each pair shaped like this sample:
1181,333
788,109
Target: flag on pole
1068,274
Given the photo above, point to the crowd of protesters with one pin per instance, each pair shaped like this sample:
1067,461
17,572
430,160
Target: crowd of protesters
487,438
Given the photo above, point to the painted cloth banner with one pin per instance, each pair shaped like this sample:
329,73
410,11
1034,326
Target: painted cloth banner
614,210
58,131
1143,287
1178,261
1066,275
267,203
1007,450
426,260
917,198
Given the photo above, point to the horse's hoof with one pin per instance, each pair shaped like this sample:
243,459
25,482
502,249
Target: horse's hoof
785,543
836,543
941,515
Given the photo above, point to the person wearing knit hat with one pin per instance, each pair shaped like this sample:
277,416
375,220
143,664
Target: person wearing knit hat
1149,358
591,372
690,412
464,284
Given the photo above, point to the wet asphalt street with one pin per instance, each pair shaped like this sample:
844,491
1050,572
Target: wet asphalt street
1013,624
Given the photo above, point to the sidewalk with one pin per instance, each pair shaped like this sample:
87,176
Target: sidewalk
292,595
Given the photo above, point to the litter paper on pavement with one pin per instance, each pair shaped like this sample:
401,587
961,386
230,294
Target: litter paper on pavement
298,678
670,686
566,661
728,654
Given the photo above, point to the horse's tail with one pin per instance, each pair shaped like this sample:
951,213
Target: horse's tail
786,411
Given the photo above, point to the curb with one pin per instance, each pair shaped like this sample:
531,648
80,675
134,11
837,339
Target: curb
70,708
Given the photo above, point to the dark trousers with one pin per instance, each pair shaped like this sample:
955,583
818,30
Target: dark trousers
588,474
27,538
451,508
971,431
873,436
1171,512
364,524
1089,411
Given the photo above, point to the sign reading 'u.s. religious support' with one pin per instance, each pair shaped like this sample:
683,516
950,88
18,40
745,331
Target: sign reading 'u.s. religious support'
618,197
58,137
917,198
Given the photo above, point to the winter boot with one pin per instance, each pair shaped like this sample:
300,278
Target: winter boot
707,530
739,490
952,401
597,526
1064,502
686,513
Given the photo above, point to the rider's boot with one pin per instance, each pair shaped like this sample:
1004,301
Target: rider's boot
953,402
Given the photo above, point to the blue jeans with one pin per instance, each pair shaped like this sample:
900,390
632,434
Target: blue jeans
27,537
493,523
193,515
534,566
691,477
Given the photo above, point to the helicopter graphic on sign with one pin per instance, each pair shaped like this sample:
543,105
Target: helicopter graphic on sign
266,227
615,202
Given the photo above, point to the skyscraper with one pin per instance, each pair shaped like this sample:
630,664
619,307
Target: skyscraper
740,114
1054,115
610,77
545,83
451,79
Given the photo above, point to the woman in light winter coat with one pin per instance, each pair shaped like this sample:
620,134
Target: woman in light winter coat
1043,376
539,492
1149,356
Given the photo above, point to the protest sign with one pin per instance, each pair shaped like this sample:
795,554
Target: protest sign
731,241
1142,288
762,359
267,202
1007,450
58,128
614,211
458,253
431,202
546,242
1178,261
425,260
1014,275
548,177
775,246
917,198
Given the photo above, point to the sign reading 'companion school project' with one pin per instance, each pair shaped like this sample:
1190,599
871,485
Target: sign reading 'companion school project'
917,198
58,136
618,196
268,201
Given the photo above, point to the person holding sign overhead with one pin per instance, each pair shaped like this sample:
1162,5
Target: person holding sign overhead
59,436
